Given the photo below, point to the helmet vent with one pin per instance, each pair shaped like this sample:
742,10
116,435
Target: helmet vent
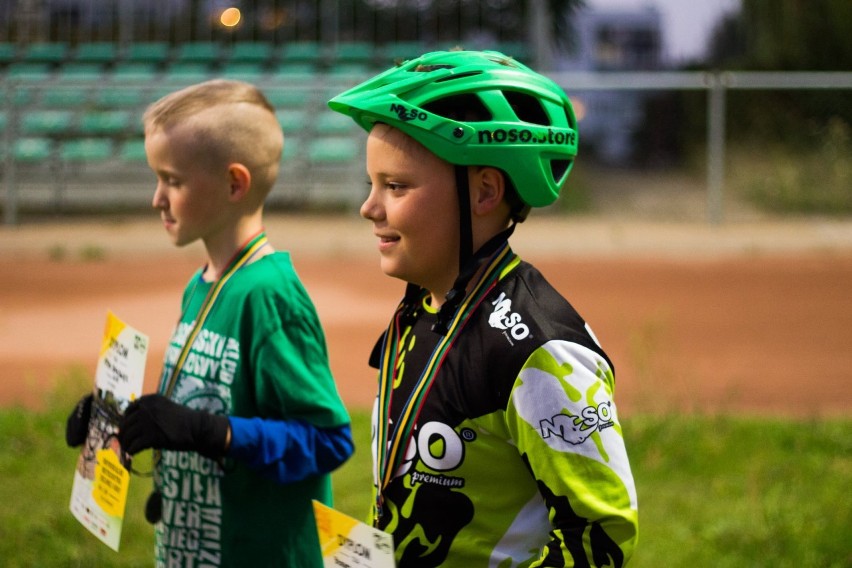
558,168
527,108
459,76
427,68
466,107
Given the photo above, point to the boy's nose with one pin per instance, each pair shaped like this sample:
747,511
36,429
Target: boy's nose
158,201
370,209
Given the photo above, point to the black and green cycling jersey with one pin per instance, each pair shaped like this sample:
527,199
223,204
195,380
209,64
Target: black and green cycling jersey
516,456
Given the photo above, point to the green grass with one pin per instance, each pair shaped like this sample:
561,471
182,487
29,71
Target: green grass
714,491
814,178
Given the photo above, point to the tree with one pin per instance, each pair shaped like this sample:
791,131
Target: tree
788,35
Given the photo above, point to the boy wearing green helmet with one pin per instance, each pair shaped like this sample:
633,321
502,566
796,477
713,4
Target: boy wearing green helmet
496,438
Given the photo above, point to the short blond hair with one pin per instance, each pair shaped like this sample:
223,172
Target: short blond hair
231,120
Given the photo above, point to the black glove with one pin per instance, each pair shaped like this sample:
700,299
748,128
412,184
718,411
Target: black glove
154,421
77,426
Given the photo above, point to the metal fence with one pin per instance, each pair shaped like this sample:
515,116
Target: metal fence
76,144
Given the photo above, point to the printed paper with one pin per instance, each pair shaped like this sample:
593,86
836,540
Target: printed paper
99,492
347,542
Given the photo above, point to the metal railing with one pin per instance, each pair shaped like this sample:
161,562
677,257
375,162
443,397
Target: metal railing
715,84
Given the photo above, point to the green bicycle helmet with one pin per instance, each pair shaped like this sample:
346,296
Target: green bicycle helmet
523,122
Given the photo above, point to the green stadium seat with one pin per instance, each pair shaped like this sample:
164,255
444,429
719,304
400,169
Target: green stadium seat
198,52
71,72
303,52
100,52
251,52
118,97
156,52
349,71
132,150
332,150
292,148
159,91
24,71
291,120
46,122
332,123
31,149
45,52
25,95
105,123
187,73
8,53
401,51
352,52
295,69
243,71
134,73
64,97
86,150
289,98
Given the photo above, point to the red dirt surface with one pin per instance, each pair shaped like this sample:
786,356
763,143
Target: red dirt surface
742,318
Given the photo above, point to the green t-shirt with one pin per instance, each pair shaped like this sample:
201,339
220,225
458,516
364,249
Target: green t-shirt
260,353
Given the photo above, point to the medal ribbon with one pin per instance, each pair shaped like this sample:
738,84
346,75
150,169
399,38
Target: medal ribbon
240,258
391,446
154,505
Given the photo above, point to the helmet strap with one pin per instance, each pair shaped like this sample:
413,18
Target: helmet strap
465,222
469,263
459,290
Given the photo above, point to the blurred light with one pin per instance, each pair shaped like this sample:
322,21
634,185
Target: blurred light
230,17
579,108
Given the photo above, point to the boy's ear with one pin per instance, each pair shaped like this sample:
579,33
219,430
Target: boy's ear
488,186
239,180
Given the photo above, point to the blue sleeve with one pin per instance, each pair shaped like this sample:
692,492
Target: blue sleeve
288,450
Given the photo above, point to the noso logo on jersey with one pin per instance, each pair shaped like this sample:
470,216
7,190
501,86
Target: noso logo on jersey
577,429
504,318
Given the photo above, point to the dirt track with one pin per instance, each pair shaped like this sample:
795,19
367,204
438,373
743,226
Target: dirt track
745,317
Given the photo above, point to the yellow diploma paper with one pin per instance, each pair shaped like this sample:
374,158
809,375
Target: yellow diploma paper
347,542
99,493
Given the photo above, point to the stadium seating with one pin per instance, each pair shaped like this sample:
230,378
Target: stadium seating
251,52
75,72
101,53
132,150
112,123
31,149
153,53
29,71
8,53
243,71
292,120
45,52
40,122
332,150
138,72
81,150
198,52
84,102
64,97
113,97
